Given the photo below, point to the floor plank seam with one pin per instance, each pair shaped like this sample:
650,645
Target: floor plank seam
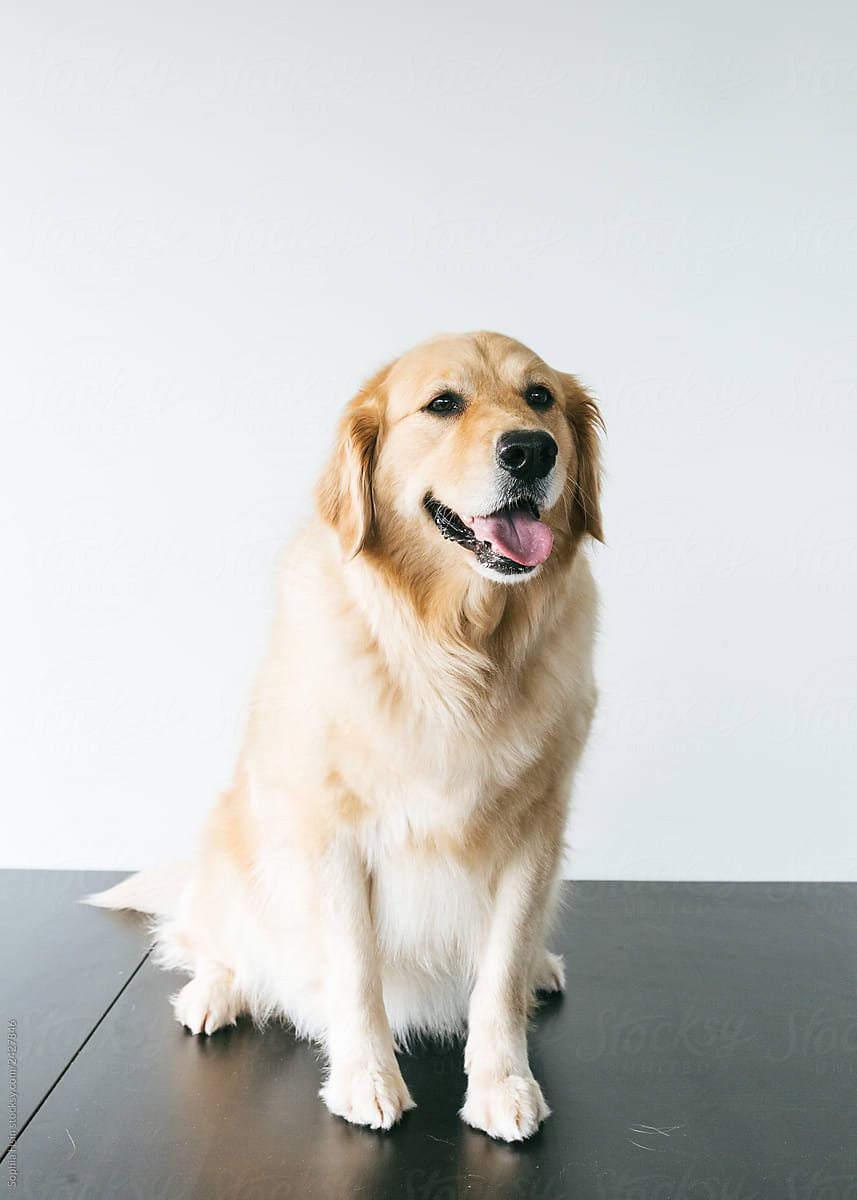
76,1055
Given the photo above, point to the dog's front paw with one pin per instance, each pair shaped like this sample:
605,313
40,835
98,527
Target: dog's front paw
370,1095
510,1107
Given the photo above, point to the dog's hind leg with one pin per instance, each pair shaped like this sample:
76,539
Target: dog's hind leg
549,972
210,1000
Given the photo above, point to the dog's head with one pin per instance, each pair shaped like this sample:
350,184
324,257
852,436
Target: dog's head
468,451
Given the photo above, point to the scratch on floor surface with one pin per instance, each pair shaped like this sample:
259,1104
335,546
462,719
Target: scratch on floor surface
73,1149
646,1129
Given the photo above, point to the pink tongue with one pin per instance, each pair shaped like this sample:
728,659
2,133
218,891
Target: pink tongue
514,533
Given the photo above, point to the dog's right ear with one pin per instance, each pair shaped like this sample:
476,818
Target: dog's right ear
344,495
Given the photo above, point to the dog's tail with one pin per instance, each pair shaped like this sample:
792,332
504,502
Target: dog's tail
156,890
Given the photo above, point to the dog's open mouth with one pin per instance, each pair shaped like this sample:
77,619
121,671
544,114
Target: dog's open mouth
511,541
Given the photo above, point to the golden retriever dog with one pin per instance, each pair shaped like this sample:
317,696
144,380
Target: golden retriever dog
385,863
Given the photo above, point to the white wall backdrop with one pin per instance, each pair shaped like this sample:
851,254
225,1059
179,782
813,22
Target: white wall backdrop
217,219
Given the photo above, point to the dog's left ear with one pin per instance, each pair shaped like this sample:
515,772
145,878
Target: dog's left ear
586,424
344,493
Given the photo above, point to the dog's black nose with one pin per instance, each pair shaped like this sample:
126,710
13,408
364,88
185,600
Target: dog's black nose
527,454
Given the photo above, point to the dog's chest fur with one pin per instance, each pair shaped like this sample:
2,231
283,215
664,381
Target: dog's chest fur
442,733
426,747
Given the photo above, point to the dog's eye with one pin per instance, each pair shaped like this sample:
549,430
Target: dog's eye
445,404
538,396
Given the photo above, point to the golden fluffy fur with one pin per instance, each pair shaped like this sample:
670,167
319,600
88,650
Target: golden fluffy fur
385,862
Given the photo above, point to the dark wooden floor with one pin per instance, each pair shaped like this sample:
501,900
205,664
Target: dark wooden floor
706,1050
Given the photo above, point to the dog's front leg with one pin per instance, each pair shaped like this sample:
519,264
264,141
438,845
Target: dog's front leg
364,1083
503,1098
